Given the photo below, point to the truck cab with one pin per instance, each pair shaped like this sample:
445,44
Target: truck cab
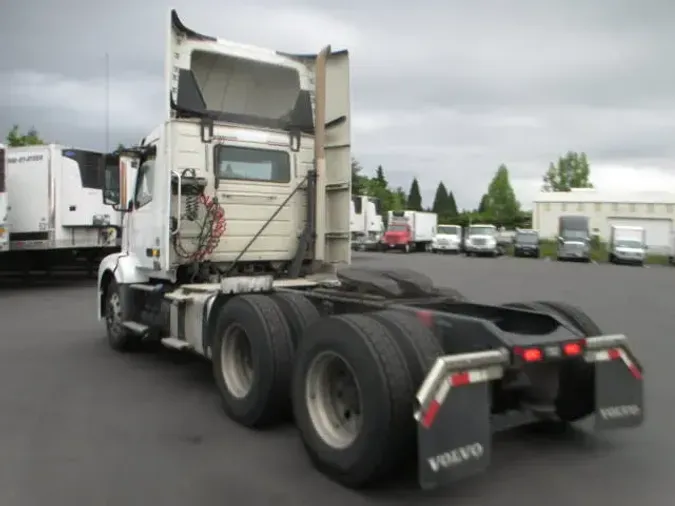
448,239
398,235
574,239
248,173
526,243
482,240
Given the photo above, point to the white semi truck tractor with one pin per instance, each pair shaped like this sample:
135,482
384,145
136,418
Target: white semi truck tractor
236,246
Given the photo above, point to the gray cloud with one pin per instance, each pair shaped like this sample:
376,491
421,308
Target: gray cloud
447,90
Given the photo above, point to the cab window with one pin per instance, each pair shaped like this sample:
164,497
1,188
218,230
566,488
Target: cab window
145,183
237,163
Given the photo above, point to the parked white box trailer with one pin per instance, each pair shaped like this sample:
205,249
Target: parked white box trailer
365,222
55,206
627,244
4,232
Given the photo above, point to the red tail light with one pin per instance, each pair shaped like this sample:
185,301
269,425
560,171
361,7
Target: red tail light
529,354
573,349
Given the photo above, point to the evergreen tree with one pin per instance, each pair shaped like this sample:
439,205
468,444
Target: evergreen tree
483,205
414,197
440,200
359,181
451,208
502,205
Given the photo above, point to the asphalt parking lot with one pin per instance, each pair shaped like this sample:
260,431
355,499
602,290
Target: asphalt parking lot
80,424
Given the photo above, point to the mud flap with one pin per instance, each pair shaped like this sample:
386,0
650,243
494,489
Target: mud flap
453,419
618,383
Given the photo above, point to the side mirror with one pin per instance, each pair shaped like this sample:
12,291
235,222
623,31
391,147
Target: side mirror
112,182
560,239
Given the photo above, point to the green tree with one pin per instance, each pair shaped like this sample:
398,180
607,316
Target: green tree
379,177
483,205
378,187
414,196
440,200
570,171
17,139
451,208
400,201
502,205
359,181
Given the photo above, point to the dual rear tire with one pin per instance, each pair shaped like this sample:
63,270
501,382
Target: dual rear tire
349,381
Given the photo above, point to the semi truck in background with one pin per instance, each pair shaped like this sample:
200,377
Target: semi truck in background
4,229
574,238
627,245
55,212
247,265
448,239
526,243
482,240
365,224
410,231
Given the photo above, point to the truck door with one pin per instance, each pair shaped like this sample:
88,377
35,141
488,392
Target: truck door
142,239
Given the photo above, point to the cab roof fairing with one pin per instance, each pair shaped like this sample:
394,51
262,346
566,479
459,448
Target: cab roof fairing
191,102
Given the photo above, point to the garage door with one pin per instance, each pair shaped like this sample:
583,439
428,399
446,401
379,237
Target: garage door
658,231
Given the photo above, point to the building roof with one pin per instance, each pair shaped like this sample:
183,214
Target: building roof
593,195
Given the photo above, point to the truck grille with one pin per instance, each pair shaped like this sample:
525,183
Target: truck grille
479,242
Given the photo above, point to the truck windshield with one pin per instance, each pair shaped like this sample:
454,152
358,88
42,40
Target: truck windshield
271,166
527,238
397,228
476,230
629,243
447,230
568,234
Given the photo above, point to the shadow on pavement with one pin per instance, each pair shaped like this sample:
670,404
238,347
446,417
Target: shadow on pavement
42,281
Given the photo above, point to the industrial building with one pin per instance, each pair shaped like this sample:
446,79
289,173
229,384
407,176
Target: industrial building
654,211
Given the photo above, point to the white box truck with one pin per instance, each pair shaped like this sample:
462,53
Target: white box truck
627,245
56,216
410,231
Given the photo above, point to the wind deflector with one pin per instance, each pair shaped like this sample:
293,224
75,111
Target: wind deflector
218,80
179,28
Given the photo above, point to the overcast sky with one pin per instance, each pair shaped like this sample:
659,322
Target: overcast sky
442,90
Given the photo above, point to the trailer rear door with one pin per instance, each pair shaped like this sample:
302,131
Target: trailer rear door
28,191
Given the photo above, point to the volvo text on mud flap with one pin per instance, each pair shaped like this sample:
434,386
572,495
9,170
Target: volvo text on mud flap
454,413
618,382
